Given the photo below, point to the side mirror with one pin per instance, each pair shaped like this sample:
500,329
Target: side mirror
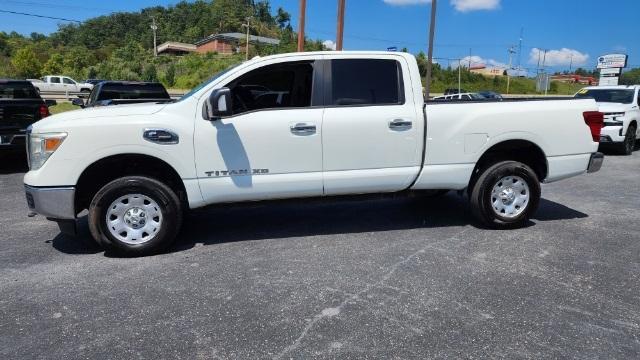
50,103
219,104
78,102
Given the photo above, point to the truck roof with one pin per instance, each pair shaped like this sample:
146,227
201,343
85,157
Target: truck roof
612,87
334,53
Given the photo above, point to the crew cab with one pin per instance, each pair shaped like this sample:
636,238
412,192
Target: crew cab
621,107
60,83
300,125
20,106
124,92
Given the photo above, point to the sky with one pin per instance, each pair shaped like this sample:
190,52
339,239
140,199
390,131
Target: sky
574,32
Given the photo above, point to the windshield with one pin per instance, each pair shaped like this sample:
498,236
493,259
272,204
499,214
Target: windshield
621,96
206,82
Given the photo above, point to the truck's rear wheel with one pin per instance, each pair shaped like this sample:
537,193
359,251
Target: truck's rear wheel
505,195
135,216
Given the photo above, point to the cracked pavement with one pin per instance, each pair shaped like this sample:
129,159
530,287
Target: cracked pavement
342,278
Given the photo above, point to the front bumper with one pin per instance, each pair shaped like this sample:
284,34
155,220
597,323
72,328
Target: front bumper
595,163
611,134
56,203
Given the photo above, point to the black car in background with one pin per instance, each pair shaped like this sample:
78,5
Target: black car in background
20,106
94,81
124,92
452,91
492,95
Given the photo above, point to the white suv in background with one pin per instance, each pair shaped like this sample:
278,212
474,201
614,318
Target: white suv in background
621,107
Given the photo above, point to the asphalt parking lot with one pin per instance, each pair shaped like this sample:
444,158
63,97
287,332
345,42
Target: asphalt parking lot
381,278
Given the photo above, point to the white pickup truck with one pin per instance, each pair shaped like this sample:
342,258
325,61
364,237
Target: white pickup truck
60,83
300,125
621,107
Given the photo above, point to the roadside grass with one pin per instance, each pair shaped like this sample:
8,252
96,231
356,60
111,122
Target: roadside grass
62,107
520,86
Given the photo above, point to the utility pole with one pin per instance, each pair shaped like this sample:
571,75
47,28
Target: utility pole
248,26
154,27
544,73
570,63
303,12
512,51
459,76
340,30
520,48
469,59
432,29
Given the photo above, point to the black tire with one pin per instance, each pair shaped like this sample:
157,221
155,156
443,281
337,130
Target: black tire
154,190
482,197
629,143
85,90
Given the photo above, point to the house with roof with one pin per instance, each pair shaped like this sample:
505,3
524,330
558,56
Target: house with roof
229,43
226,43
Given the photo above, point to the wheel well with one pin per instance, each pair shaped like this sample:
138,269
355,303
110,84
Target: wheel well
523,151
103,171
633,123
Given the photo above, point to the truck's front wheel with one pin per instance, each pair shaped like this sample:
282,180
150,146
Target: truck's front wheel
505,195
135,216
629,143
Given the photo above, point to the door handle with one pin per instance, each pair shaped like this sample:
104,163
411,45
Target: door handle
161,136
303,129
400,124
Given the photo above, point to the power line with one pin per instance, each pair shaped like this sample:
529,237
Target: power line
40,16
55,5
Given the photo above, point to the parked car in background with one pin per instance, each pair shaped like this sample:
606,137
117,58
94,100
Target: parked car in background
621,108
300,125
124,92
452,91
20,106
60,83
461,96
492,95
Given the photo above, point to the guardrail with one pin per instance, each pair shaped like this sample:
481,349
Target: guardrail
70,95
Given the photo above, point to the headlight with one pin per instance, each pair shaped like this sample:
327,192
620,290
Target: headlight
41,146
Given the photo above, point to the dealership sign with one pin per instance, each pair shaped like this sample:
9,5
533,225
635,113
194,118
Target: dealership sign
612,61
610,67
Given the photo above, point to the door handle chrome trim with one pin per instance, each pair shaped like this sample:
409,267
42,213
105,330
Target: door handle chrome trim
400,124
161,136
303,129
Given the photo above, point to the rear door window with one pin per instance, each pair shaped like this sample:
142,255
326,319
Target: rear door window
363,82
55,80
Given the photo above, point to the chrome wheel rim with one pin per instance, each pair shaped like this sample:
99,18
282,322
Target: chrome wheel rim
510,197
134,219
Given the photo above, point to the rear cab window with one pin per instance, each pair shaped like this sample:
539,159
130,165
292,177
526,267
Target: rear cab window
17,90
365,82
131,92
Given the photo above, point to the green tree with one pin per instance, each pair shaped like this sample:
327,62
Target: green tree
55,65
631,77
26,63
150,73
170,76
283,19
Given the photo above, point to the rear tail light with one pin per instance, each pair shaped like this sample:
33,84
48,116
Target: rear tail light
595,121
44,111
